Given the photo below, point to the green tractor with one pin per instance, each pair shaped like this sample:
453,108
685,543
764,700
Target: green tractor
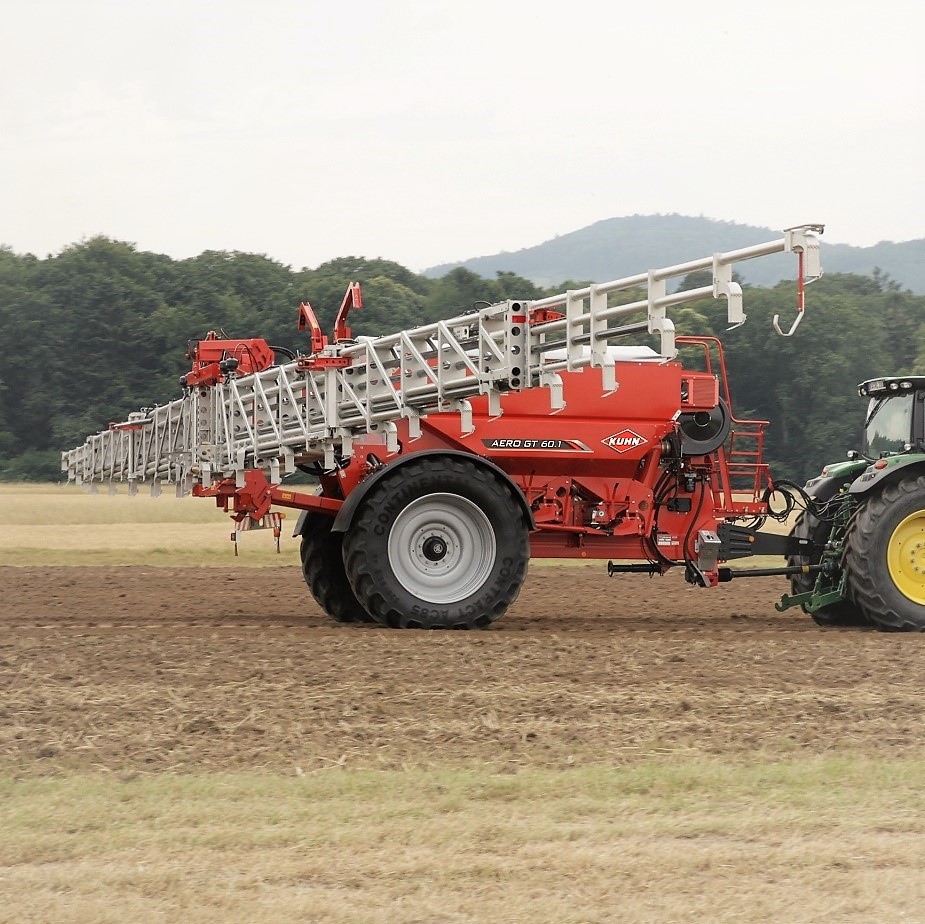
861,534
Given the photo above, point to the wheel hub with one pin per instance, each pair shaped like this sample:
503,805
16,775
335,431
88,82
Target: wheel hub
442,548
434,549
906,557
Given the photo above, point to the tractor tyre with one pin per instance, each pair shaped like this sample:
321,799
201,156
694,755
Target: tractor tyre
843,613
323,570
885,556
440,543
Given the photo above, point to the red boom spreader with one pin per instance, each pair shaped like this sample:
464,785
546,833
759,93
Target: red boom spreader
446,456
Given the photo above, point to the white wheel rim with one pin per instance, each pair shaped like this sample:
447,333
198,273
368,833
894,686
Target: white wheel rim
441,548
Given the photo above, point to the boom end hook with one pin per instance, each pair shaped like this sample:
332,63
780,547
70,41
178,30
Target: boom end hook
793,328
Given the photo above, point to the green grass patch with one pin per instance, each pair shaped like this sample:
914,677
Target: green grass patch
804,840
63,525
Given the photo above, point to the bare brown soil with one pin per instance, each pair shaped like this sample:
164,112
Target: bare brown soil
131,670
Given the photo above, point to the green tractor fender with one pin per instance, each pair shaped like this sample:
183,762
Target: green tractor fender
834,479
885,470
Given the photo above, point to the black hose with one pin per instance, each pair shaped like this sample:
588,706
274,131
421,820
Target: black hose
289,354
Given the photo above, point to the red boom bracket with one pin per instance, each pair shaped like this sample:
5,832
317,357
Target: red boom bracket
353,299
257,495
317,340
212,352
307,363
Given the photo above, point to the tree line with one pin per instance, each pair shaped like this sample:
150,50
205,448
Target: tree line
100,330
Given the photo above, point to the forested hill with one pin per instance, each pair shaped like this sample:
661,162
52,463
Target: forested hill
618,247
100,330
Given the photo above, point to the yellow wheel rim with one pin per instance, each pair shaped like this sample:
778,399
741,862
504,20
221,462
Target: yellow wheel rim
905,557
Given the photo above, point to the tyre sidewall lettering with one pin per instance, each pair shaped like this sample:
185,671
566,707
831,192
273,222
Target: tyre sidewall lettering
418,610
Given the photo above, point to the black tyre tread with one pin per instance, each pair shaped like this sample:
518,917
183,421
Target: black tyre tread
357,546
868,576
323,570
843,613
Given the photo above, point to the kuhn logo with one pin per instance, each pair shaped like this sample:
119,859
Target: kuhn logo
624,441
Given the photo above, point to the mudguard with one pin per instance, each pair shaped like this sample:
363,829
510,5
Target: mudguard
345,515
873,476
824,487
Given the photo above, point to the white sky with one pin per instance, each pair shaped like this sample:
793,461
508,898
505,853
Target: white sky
425,132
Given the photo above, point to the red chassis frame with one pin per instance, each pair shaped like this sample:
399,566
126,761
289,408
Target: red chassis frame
593,474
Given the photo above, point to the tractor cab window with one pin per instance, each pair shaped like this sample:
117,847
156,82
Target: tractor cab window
889,425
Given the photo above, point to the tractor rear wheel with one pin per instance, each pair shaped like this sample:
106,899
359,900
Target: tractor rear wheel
323,570
439,544
885,556
843,613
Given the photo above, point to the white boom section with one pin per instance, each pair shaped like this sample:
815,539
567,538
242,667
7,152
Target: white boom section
286,415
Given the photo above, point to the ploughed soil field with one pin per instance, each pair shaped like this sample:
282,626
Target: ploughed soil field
145,669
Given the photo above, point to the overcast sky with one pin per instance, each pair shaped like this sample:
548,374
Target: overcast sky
425,132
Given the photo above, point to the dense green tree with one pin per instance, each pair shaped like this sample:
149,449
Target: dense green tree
360,268
510,285
388,306
101,329
393,296
26,394
100,294
459,291
806,385
246,295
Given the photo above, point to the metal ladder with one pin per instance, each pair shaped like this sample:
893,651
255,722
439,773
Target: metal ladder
311,409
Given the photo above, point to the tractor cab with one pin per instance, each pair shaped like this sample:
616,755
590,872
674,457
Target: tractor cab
895,422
